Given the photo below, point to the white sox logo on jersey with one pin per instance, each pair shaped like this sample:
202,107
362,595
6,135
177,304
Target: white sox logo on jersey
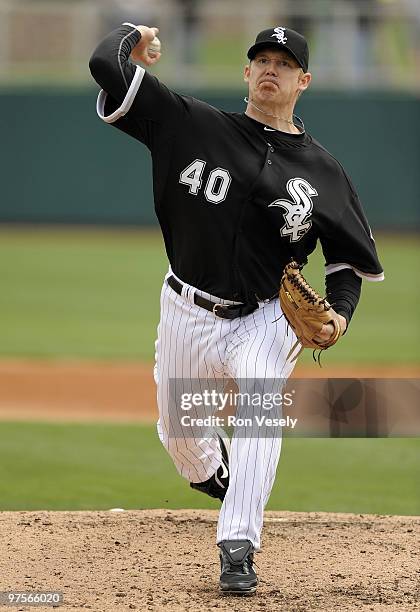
297,212
280,35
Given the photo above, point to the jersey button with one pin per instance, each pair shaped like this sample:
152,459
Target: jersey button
271,150
269,162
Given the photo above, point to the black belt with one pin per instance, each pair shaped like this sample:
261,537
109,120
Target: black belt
223,311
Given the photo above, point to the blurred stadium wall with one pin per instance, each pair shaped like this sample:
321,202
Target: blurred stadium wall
61,164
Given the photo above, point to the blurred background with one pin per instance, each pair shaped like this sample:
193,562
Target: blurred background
82,260
369,44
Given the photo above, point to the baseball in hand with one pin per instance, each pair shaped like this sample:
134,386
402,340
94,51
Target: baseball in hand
154,47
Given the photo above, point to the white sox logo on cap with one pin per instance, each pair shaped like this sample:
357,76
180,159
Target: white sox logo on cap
297,212
280,35
291,41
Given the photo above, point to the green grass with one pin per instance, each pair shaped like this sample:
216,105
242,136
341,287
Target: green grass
80,293
91,466
95,294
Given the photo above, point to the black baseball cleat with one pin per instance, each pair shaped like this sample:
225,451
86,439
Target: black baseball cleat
238,576
217,485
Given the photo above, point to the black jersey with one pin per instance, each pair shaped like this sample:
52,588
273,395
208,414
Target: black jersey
235,198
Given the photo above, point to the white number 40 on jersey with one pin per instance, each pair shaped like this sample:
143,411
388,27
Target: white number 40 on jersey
217,184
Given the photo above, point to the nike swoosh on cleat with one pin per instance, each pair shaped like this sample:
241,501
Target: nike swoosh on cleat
225,471
234,550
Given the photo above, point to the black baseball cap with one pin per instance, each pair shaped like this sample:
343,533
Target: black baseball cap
282,38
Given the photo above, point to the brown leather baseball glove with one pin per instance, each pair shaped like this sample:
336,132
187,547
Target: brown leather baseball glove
305,310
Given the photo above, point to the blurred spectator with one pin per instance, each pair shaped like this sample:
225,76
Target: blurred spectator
297,18
342,40
188,29
364,20
143,12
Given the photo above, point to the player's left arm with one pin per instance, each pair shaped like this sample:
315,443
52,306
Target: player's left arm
343,290
350,254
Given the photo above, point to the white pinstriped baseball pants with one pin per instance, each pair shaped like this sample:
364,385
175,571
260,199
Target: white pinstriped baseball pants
193,343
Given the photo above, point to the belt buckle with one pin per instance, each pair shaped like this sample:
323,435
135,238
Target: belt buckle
214,310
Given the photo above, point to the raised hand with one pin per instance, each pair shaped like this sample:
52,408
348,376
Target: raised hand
140,51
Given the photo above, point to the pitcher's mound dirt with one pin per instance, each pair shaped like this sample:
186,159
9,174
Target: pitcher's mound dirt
159,559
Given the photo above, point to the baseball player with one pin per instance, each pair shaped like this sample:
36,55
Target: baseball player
237,196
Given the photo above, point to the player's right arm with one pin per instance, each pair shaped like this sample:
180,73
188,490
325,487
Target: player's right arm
131,99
